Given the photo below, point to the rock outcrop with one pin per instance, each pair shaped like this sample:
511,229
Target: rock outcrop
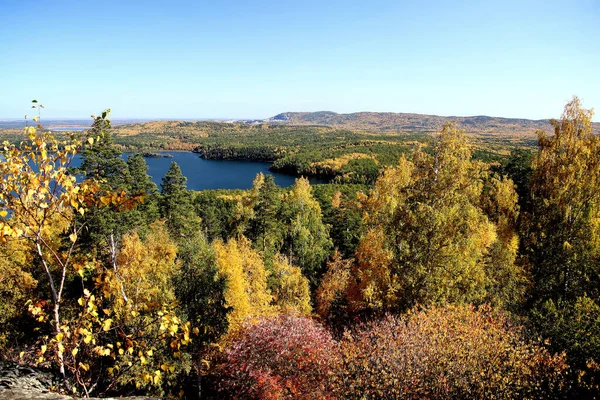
19,382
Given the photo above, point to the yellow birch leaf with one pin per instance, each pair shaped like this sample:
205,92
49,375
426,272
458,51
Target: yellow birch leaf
106,324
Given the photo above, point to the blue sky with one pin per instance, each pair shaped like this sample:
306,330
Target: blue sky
254,59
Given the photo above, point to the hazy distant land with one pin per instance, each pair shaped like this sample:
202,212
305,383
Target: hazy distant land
375,122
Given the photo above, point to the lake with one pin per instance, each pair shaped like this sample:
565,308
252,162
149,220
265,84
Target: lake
214,174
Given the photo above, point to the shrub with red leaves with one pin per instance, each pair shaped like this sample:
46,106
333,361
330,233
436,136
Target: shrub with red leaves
286,356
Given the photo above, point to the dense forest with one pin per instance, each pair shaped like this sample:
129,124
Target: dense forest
432,267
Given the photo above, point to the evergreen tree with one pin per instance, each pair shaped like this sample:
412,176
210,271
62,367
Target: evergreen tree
176,204
141,183
201,290
518,167
101,159
265,226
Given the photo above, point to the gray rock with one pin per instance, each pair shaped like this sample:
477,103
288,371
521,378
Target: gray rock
19,382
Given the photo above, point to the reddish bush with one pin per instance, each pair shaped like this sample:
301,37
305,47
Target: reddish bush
449,352
282,357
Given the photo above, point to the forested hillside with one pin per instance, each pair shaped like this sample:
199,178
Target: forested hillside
434,267
405,122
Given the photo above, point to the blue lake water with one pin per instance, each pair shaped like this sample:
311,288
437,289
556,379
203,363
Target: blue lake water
214,174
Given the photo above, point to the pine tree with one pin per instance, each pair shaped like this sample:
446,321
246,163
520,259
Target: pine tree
176,204
102,160
141,183
265,227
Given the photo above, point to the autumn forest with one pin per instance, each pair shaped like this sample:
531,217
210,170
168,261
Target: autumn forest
435,265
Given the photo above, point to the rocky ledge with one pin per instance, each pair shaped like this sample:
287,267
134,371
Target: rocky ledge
19,382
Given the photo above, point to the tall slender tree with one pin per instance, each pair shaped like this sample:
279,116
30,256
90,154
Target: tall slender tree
306,237
563,238
565,223
176,204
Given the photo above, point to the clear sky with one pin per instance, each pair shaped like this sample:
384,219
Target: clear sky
254,59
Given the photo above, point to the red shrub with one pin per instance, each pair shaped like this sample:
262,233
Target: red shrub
283,357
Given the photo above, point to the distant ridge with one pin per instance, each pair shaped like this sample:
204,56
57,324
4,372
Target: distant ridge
409,122
368,122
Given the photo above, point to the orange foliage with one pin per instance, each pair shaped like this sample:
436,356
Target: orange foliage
447,352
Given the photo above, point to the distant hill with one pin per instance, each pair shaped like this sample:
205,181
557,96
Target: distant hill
413,123
65,123
184,134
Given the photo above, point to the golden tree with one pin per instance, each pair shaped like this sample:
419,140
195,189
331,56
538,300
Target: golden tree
291,293
39,200
246,280
563,238
428,238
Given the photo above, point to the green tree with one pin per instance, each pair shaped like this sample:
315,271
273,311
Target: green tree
142,184
101,160
428,238
201,290
265,227
518,167
344,221
176,204
306,238
216,214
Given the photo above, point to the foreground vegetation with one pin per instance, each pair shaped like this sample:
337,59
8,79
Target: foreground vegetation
442,276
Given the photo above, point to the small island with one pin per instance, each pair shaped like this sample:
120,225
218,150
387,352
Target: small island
156,155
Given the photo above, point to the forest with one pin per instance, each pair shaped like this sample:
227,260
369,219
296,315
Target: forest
434,266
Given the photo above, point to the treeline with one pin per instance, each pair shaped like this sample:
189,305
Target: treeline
317,151
446,277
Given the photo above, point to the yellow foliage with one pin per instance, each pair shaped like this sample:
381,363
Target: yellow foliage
429,239
246,289
334,283
291,292
374,277
143,271
336,164
15,280
388,193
